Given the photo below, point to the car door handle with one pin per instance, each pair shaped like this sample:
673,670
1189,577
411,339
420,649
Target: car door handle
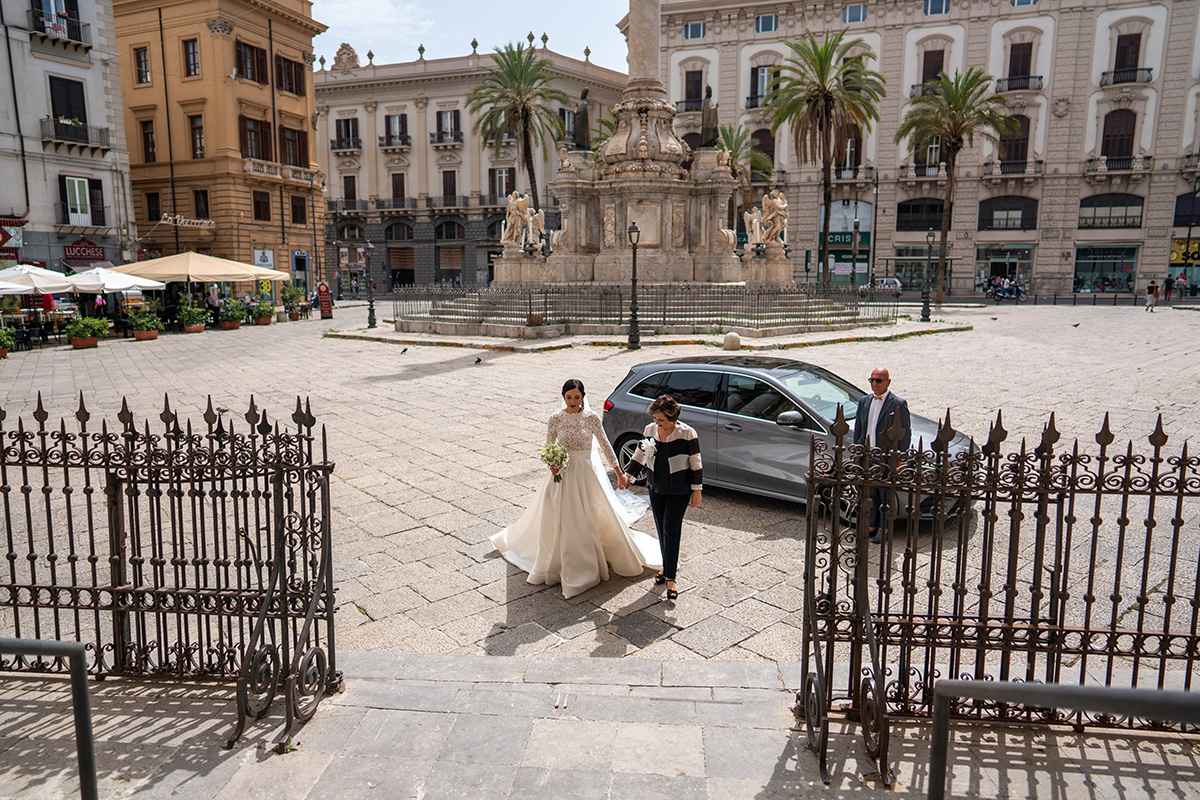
730,426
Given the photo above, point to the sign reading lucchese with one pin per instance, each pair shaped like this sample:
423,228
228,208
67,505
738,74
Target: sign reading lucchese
185,222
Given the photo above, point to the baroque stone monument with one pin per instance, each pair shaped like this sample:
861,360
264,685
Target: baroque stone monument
638,176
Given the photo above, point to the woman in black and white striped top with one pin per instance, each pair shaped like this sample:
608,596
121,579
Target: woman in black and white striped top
670,454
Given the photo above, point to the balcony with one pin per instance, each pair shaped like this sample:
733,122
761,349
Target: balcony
353,145
346,206
395,142
1133,220
919,89
446,139
1104,165
687,106
300,175
1191,161
756,101
60,30
492,199
80,218
74,136
1021,223
1006,169
854,173
449,201
256,168
1115,77
1019,83
396,203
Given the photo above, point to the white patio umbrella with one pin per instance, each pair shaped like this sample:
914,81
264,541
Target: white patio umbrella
100,280
199,267
12,288
36,280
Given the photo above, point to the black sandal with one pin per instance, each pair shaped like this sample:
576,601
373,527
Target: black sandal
660,579
672,593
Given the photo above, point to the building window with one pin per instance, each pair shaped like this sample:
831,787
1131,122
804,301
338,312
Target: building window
760,84
82,201
851,158
934,7
1187,210
196,127
694,30
255,135
141,65
1017,3
345,133
153,207
262,206
1117,141
449,184
1014,148
293,147
448,230
191,58
766,23
349,187
200,201
398,186
289,75
568,121
395,128
398,232
926,159
500,181
693,90
1102,268
855,12
1012,213
932,64
149,152
1110,211
251,62
1128,52
299,210
922,214
351,233
447,124
764,142
1020,60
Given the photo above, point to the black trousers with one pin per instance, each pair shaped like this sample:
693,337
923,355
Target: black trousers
668,519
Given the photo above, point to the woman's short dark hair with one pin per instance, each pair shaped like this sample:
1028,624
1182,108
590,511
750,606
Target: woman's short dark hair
667,405
573,383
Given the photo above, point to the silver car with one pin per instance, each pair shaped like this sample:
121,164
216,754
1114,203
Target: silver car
754,416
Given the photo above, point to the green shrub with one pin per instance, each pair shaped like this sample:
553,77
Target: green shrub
232,311
145,320
290,293
85,327
8,338
262,309
191,314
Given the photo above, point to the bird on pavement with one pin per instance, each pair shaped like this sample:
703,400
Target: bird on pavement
405,350
1076,325
995,318
477,360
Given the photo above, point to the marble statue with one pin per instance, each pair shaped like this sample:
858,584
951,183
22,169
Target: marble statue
774,216
536,226
753,219
582,122
708,120
515,218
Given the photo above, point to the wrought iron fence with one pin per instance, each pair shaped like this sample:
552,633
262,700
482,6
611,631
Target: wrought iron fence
1048,563
187,552
659,305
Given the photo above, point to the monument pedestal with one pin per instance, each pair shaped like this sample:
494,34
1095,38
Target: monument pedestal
773,267
514,266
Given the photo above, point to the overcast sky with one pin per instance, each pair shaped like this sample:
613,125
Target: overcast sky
394,28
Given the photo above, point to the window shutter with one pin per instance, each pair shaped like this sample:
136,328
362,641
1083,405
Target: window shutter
754,81
278,71
96,200
62,191
282,145
243,137
301,78
404,123
73,9
266,140
454,117
262,65
302,146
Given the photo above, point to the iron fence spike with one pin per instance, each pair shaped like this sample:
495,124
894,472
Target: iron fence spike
82,413
1105,436
125,415
252,413
298,414
1159,437
840,427
210,415
166,416
40,413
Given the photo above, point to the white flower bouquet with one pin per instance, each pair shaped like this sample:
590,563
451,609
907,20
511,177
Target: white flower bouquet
556,455
647,446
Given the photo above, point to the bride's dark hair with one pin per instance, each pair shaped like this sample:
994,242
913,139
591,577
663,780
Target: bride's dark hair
573,383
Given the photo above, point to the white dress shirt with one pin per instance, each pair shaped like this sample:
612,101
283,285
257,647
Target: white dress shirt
873,416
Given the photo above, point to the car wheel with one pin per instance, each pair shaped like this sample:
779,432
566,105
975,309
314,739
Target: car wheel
626,447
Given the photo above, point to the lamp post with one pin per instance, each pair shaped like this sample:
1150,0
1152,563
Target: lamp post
370,287
854,251
635,341
925,283
1188,258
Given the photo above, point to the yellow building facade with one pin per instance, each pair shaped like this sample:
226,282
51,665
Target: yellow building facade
219,114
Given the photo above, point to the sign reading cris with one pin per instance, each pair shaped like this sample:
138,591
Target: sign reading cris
84,250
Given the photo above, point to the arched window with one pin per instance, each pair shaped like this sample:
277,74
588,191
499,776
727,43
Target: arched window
1117,141
1010,213
448,230
1014,148
920,214
398,231
1187,210
350,233
764,142
1111,211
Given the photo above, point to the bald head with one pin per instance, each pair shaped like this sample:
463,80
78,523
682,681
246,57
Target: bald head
880,381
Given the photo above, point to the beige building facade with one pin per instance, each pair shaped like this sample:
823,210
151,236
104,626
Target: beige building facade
408,175
1094,194
219,114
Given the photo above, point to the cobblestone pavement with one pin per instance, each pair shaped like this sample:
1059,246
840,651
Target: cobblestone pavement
435,451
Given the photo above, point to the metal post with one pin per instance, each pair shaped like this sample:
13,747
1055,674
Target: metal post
1187,247
874,214
854,251
635,340
370,288
925,282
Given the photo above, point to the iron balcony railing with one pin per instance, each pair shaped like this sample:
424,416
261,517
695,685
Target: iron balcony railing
92,216
395,140
449,201
1191,161
342,205
1009,224
919,89
853,173
683,106
446,137
918,170
1014,166
1111,221
755,100
57,130
60,26
1119,163
345,144
1019,83
1114,77
396,202
491,200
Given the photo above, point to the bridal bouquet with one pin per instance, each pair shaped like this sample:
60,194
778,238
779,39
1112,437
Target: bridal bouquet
556,455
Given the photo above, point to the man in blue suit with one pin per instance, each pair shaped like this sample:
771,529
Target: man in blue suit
876,413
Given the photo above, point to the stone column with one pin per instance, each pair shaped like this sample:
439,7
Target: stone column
645,75
421,147
370,151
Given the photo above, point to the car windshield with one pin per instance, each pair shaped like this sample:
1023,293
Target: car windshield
823,392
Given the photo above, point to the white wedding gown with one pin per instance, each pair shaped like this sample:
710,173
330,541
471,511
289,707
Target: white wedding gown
576,528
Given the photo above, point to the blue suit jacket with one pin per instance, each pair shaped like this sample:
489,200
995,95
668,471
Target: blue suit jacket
894,407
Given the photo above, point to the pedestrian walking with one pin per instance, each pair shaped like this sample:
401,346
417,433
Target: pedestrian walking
1151,296
1181,285
1167,286
354,288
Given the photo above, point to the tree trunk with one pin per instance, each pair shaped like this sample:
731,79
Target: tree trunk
527,149
947,209
827,192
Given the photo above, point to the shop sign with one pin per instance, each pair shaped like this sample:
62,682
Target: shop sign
8,253
1093,252
264,259
846,239
1181,246
83,250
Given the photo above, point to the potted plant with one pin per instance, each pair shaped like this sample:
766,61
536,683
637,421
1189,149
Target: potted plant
292,295
145,323
86,331
262,311
231,315
8,340
192,316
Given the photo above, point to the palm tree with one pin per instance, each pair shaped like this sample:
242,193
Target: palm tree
514,98
746,163
823,91
951,113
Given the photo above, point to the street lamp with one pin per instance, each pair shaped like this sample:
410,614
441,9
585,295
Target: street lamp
854,252
925,283
635,341
370,287
1188,258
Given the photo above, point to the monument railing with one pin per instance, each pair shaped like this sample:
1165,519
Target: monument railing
659,305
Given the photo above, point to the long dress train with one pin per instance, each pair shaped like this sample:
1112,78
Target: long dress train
573,530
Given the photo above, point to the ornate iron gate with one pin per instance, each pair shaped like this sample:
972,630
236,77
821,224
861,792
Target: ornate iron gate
1055,565
184,552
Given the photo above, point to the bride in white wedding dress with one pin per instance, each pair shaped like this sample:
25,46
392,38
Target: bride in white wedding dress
575,529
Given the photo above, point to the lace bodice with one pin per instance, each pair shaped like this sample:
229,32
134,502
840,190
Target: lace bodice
576,432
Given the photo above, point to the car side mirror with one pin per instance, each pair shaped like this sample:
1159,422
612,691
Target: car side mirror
792,418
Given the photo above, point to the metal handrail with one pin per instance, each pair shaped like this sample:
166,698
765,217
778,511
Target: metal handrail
1113,77
396,140
58,130
1019,83
1154,704
85,740
346,143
